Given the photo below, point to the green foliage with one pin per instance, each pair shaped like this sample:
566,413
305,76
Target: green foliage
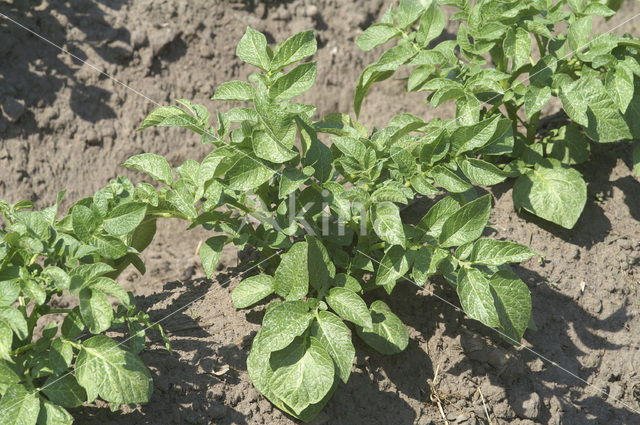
42,257
327,195
490,72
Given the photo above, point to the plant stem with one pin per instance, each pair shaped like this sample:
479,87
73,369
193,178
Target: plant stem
405,35
540,45
22,349
31,321
494,108
379,245
59,311
74,344
164,215
513,115
532,128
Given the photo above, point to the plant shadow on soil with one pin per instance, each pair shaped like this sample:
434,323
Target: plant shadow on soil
562,316
479,342
35,74
188,389
593,226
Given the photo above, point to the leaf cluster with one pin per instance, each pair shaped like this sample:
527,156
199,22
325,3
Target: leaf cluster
327,195
508,60
42,257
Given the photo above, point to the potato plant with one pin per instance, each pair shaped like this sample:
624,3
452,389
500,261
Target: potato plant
332,213
508,60
54,358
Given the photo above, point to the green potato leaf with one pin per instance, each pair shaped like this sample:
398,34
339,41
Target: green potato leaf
466,224
425,263
349,306
251,290
432,222
96,310
387,223
535,99
19,405
376,35
248,173
282,323
295,82
512,300
291,279
253,49
125,379
394,265
210,253
51,414
290,181
475,296
174,116
335,337
490,252
408,12
579,33
13,319
240,91
432,23
556,193
154,165
387,335
85,222
569,146
60,355
294,49
321,268
64,390
589,104
303,374
517,46
124,218
482,172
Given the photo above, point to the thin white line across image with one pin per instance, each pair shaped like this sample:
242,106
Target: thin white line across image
279,173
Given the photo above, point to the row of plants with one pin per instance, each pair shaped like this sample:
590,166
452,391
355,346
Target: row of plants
54,358
508,60
320,202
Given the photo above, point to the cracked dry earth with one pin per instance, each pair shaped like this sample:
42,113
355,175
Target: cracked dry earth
64,125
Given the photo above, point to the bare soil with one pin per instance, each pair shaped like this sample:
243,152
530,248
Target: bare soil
66,126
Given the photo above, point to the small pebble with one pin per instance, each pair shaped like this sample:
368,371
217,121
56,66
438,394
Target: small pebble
138,38
463,417
188,273
616,392
207,49
624,243
424,420
146,57
162,38
91,138
452,416
264,406
311,11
